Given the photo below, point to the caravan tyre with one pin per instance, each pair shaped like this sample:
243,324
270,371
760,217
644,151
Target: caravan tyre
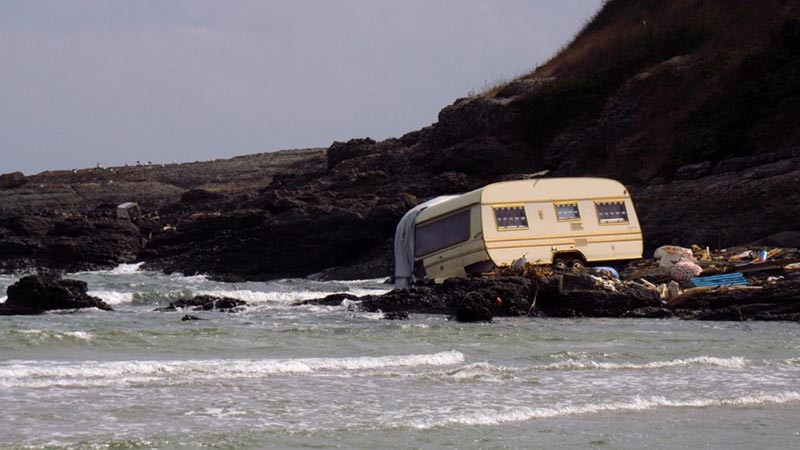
577,265
559,265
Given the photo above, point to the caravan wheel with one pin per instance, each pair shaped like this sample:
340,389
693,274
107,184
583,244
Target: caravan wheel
559,265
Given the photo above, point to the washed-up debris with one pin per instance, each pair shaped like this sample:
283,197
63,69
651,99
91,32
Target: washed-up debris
731,279
644,289
668,255
685,271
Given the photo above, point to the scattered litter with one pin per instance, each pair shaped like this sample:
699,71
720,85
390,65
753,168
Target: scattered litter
773,280
685,271
610,270
730,279
674,289
667,255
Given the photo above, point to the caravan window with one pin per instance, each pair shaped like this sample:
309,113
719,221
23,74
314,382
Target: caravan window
441,233
611,212
567,211
510,218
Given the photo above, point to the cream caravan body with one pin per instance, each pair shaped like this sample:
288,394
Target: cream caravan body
540,220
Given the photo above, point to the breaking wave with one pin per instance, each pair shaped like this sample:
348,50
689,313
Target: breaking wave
636,404
735,362
112,297
101,372
16,337
122,269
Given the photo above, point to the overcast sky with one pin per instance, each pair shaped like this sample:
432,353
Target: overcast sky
112,82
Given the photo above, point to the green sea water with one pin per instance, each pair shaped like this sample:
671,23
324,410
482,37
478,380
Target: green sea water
285,376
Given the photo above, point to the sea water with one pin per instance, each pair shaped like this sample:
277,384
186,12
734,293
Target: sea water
280,375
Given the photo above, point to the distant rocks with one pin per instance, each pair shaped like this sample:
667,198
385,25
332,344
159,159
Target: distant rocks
36,294
12,180
396,315
206,303
330,300
70,244
190,318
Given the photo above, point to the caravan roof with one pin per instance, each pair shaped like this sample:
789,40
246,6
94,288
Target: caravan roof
521,191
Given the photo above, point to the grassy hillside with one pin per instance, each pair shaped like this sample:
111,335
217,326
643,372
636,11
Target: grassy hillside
722,81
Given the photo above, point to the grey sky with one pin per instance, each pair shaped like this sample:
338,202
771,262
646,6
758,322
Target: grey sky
112,82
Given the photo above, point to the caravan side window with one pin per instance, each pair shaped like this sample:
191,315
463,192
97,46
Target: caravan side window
441,233
611,212
567,211
510,217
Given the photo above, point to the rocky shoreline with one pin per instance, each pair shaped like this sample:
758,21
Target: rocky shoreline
587,294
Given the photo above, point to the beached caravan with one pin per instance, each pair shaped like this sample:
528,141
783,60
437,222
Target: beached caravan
564,221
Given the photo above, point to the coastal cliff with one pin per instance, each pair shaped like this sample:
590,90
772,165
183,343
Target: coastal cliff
692,104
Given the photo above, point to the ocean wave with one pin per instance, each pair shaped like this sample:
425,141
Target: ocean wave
113,372
113,297
735,362
480,371
249,296
122,269
636,404
486,371
38,336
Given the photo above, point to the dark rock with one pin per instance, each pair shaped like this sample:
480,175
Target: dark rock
36,294
693,171
515,293
330,300
341,151
396,315
200,196
12,180
189,317
784,239
649,312
206,303
475,308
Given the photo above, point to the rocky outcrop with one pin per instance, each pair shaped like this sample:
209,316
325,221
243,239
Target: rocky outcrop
36,294
65,220
70,244
12,180
776,301
206,303
578,295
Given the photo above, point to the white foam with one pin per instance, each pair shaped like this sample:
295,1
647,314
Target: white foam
83,335
3,299
60,335
113,297
59,373
735,362
636,404
123,269
264,297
